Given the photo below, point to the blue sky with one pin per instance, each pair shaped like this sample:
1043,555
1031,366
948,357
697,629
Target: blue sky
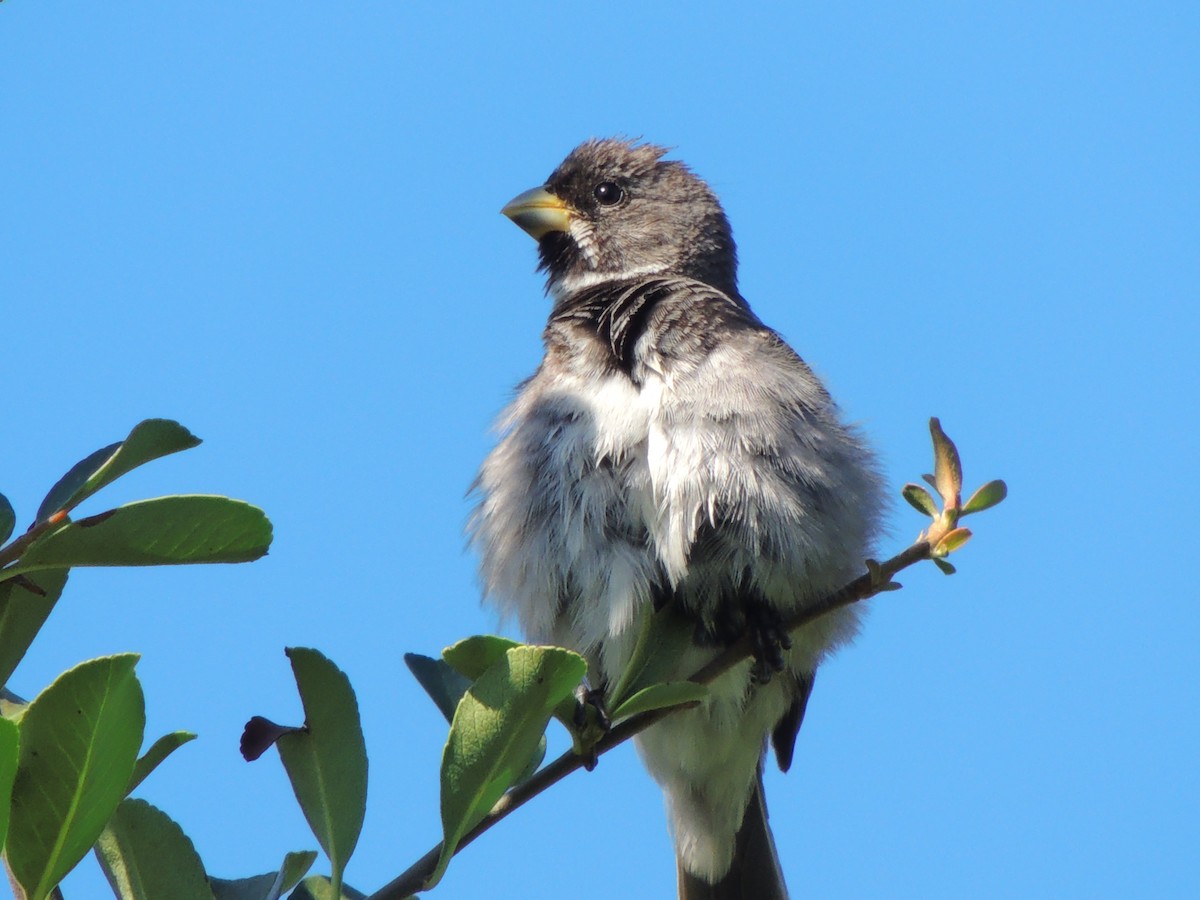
278,223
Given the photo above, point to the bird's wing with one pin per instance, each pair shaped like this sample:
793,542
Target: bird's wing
783,736
745,443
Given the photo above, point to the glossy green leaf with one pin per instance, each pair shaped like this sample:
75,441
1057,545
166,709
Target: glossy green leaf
79,744
146,856
10,741
189,528
947,472
659,696
473,656
149,440
920,499
23,612
318,887
496,728
159,750
63,495
8,519
327,761
444,685
270,886
986,497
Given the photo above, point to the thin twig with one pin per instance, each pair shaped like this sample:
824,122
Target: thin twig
861,588
14,550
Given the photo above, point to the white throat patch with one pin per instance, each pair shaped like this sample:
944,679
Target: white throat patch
569,284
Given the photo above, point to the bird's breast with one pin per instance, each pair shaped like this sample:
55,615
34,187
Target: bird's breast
564,500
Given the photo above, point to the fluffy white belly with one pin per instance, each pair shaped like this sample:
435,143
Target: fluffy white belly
562,526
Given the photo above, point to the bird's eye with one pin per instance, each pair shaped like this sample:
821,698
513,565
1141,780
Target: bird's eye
608,194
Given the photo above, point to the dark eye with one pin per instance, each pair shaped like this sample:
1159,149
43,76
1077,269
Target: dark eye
608,194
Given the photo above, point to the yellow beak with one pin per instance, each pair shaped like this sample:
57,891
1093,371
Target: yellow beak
538,212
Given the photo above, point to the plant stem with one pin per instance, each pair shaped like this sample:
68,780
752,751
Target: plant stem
20,545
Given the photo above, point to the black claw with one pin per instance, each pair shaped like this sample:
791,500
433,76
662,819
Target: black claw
770,641
747,612
594,698
592,722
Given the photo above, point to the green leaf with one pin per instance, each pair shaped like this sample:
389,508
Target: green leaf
327,761
920,499
149,440
473,656
22,613
496,728
663,638
10,739
70,486
986,497
446,685
159,750
79,745
441,682
658,696
947,469
8,519
270,886
947,568
952,541
532,764
295,866
318,887
146,856
189,528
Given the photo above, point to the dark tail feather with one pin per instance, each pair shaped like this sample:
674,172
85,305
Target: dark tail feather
755,873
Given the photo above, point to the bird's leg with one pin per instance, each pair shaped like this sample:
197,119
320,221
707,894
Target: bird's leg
770,640
591,721
737,616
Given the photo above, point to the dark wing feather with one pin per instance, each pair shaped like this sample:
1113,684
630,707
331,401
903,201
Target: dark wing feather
783,738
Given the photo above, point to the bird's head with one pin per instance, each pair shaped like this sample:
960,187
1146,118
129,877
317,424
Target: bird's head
616,209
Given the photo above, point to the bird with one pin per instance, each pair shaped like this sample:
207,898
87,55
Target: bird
671,450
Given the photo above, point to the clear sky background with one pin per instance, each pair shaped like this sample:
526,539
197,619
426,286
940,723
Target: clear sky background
278,223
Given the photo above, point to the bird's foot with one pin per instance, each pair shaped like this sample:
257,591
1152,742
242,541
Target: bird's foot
768,638
592,722
770,641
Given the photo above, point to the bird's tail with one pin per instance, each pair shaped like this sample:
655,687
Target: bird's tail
755,873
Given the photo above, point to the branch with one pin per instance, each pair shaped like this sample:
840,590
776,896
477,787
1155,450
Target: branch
14,550
878,578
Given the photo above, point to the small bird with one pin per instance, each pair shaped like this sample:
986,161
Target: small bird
673,450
